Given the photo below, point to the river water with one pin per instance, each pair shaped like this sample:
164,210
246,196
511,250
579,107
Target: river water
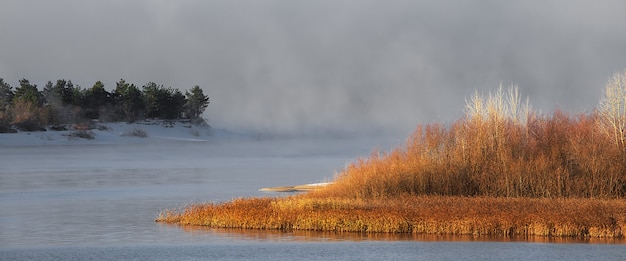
77,202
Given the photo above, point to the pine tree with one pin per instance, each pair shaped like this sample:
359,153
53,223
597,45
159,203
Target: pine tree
27,93
94,100
196,102
6,95
128,99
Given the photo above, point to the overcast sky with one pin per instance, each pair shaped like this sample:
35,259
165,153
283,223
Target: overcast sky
323,65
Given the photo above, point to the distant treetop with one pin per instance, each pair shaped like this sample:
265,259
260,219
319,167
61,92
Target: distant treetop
27,108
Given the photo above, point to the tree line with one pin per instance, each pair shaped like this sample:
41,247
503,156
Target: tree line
27,108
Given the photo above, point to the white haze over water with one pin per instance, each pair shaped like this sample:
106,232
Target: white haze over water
323,66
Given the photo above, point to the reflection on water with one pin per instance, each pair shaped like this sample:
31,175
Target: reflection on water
324,236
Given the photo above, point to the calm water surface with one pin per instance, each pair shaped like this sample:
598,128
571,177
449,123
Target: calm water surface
99,202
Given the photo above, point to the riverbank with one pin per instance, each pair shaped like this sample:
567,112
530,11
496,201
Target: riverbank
145,131
297,188
441,215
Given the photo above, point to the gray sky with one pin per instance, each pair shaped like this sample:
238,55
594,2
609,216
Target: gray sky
323,65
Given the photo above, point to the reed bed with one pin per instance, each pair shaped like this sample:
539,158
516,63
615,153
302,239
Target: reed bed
442,215
500,170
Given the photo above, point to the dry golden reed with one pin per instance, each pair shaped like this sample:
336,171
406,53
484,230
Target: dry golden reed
500,170
445,215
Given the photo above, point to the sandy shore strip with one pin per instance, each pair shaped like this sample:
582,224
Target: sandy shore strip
297,188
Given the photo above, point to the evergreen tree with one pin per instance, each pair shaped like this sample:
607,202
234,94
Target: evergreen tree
76,94
56,93
63,92
62,102
153,98
174,105
196,102
161,102
6,95
27,93
94,100
52,103
47,91
128,100
60,99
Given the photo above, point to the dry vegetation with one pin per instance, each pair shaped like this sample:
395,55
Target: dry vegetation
501,170
416,214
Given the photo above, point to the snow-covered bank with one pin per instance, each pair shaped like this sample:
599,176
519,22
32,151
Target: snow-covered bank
297,188
113,133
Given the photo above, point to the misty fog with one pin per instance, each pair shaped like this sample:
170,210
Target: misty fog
324,66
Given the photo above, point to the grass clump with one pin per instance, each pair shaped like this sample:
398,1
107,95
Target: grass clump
500,170
136,132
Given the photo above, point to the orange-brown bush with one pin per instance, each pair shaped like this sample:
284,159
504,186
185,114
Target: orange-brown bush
27,116
554,155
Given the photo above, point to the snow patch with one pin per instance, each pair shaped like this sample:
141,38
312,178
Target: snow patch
113,133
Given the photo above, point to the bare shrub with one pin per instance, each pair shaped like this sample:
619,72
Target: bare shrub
498,106
5,122
26,116
612,109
